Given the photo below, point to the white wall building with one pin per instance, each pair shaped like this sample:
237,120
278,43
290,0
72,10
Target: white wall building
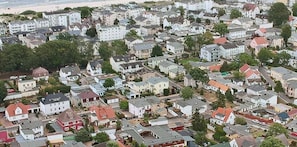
54,104
189,107
21,26
139,106
109,33
265,98
62,18
16,112
31,129
26,85
231,50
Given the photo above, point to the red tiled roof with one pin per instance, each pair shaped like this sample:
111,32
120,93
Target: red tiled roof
249,7
244,68
260,40
292,113
215,68
68,115
225,111
251,72
221,40
263,30
87,94
218,85
39,72
4,137
103,112
12,107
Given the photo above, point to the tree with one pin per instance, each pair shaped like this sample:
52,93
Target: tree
66,36
104,51
83,136
286,33
132,21
277,129
283,58
278,14
3,91
294,9
116,22
190,43
109,82
199,75
181,11
207,21
132,34
199,123
112,144
220,134
278,87
200,138
271,141
235,14
107,68
91,32
124,105
166,92
229,96
198,20
187,93
118,125
191,18
265,55
238,75
205,38
220,102
221,12
84,11
101,137
245,58
221,28
119,47
157,51
241,121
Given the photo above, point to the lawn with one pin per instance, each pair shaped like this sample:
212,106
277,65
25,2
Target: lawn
185,61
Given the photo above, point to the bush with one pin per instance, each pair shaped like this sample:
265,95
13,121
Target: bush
50,128
166,92
241,121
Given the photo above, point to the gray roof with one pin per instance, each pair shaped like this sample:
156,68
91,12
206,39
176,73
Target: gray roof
144,46
292,84
265,95
96,63
158,58
196,103
54,98
236,29
26,131
210,47
132,64
176,45
229,45
73,144
281,70
155,80
125,58
141,102
292,124
28,124
167,64
256,87
289,76
74,70
188,76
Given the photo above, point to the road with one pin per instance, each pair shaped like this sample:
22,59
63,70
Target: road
285,98
172,98
266,76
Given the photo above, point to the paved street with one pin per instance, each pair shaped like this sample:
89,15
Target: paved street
285,98
266,76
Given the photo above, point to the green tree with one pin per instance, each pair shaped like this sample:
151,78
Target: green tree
112,144
116,22
190,43
221,12
166,92
107,68
124,105
198,20
104,51
118,125
265,55
83,136
294,9
3,91
132,34
91,32
181,11
207,21
225,67
84,11
191,18
277,129
220,134
66,36
278,87
119,47
241,121
200,138
187,93
199,75
221,28
238,75
245,58
109,82
157,51
283,58
229,96
278,14
132,21
235,14
205,38
270,141
286,33
220,102
199,123
101,137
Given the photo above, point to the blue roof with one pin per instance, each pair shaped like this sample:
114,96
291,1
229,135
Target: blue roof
283,116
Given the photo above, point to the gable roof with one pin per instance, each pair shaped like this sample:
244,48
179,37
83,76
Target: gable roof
103,112
96,63
12,107
218,85
221,40
222,111
215,67
74,70
87,94
251,72
283,116
249,7
260,40
244,68
246,141
54,98
39,72
68,115
4,136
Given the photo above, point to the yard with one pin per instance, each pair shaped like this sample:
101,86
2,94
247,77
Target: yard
186,60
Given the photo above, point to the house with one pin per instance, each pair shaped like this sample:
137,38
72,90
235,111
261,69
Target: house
4,137
69,73
221,40
190,106
102,115
62,18
189,81
231,50
275,41
143,50
237,33
110,33
265,99
155,61
155,85
243,141
139,106
26,85
215,86
165,66
252,75
159,136
222,116
99,88
175,47
177,72
130,41
255,89
69,119
40,73
21,26
250,10
281,107
31,130
210,53
278,72
242,22
259,42
94,68
292,126
89,98
125,64
111,99
16,112
54,104
282,118
291,88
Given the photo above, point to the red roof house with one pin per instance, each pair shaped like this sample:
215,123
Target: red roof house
89,98
222,116
249,7
69,120
244,68
251,74
17,111
221,40
40,73
103,115
4,137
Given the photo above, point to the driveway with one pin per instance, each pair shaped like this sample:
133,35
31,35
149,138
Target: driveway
266,76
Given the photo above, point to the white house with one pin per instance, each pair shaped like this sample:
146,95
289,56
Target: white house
141,105
166,66
21,26
175,47
62,18
125,64
26,85
16,112
236,33
69,73
210,52
109,33
250,10
143,50
222,116
190,106
155,85
54,104
159,121
255,89
231,50
155,61
94,68
266,98
31,130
